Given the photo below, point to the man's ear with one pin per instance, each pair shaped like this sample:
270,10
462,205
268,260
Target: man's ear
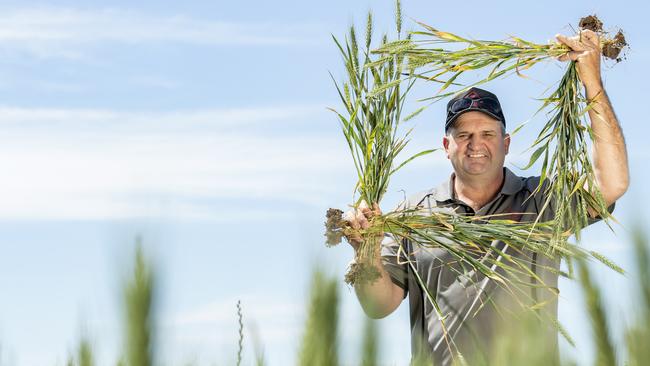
445,144
506,142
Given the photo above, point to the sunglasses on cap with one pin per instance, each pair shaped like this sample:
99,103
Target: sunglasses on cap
485,104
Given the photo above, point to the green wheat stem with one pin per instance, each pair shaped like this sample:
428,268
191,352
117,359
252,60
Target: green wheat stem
139,299
240,343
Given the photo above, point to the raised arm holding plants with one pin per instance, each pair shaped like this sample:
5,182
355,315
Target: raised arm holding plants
609,155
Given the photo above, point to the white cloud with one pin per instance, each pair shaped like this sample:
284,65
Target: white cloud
182,120
50,31
64,164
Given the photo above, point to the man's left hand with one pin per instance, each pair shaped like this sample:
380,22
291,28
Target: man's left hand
585,50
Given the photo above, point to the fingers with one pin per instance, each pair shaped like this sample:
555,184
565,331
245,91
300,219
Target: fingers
361,219
586,40
586,45
571,55
590,36
353,238
376,210
572,42
367,211
363,205
364,209
351,218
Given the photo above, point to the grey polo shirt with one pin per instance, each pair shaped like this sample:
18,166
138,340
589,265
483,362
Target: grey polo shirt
473,305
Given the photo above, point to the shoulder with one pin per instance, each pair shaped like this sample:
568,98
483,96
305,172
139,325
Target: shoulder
518,184
532,183
417,199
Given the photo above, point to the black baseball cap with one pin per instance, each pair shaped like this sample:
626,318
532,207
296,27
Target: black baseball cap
474,99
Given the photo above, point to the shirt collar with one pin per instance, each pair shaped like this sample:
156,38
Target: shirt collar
511,185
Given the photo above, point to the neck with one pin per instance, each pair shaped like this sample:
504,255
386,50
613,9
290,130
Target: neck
477,192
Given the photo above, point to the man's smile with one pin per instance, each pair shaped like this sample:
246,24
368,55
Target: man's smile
477,155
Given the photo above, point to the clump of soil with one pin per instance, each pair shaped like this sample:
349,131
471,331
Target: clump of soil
334,226
591,22
362,273
612,47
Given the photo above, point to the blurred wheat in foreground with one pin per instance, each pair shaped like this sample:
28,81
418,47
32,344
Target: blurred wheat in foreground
320,344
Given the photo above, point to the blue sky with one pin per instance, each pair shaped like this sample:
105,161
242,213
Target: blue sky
202,127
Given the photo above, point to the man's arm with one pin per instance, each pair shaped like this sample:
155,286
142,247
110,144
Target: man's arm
609,154
381,297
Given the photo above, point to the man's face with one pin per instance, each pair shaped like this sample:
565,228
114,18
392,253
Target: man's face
476,145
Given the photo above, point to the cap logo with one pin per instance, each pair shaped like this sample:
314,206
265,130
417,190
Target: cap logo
473,95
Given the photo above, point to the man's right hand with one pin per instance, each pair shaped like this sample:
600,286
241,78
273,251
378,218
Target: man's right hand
359,219
381,297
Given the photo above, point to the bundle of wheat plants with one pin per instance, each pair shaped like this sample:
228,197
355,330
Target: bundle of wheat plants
567,173
373,97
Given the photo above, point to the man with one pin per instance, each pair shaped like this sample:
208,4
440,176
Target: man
476,144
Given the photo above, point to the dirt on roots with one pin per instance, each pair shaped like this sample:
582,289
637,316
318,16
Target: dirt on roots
611,47
591,22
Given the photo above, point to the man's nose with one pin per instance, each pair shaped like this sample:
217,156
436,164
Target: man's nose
473,140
